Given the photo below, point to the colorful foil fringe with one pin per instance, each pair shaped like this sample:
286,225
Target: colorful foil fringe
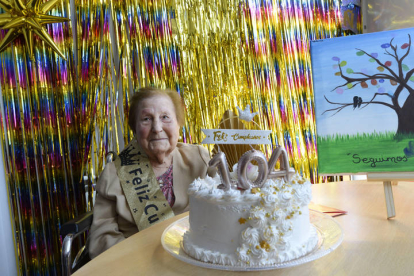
40,143
60,118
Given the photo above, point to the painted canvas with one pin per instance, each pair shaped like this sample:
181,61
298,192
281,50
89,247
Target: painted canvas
364,102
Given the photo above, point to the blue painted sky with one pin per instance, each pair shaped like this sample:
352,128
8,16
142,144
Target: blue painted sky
373,117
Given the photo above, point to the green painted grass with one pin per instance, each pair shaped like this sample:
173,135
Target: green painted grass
366,152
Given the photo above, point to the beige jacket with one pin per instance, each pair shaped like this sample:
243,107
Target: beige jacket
112,218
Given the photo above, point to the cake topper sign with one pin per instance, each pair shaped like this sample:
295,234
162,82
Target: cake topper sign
236,136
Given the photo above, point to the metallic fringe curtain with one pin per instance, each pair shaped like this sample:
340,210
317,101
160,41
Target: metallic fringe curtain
60,118
40,143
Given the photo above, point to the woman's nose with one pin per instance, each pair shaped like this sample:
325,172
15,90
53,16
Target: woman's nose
156,126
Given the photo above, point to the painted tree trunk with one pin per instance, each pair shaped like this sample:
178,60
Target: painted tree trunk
406,117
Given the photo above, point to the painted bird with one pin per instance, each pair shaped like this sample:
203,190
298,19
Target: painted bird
355,101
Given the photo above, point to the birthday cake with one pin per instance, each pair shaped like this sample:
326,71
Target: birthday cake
249,225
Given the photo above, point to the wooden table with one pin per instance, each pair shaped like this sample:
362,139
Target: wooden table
372,244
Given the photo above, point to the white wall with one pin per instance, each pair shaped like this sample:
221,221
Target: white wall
8,264
383,15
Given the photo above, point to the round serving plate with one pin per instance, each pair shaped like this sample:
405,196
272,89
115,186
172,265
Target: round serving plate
330,236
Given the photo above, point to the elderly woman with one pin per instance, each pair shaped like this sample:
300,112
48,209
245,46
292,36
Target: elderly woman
148,181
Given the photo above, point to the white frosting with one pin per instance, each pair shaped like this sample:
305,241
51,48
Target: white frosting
252,227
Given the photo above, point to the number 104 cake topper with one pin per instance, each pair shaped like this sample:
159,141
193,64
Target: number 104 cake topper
266,168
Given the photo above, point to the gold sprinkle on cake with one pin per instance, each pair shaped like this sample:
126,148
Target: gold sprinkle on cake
265,245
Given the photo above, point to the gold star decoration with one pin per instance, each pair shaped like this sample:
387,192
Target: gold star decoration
27,19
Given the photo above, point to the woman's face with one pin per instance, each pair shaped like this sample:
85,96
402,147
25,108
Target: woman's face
156,127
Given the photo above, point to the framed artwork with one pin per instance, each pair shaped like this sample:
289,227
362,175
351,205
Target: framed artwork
364,102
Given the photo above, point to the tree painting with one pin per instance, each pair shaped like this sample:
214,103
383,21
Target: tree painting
398,77
364,102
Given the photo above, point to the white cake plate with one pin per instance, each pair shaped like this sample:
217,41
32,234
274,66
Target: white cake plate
329,232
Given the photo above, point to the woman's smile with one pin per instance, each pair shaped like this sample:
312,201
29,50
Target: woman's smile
158,139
